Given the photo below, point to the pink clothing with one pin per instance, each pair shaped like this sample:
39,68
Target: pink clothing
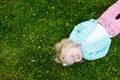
108,19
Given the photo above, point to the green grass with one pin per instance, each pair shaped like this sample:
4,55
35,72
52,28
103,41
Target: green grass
30,28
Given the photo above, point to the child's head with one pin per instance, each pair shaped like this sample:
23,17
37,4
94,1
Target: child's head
68,52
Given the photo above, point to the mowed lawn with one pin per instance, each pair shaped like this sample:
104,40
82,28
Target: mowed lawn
30,28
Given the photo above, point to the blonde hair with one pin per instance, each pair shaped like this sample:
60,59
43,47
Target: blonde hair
64,43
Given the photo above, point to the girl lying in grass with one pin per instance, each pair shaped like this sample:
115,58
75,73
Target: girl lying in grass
90,39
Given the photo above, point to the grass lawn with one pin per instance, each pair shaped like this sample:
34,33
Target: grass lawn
30,28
